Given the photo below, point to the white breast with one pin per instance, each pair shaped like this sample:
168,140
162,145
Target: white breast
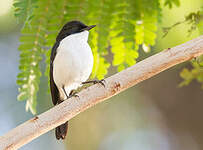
73,62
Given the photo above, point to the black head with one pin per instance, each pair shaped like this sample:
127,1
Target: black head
72,27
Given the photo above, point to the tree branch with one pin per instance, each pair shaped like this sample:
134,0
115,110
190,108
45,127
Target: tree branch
89,97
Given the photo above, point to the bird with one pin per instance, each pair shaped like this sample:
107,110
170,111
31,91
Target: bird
71,63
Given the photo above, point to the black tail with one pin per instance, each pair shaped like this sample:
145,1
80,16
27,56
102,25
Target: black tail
61,131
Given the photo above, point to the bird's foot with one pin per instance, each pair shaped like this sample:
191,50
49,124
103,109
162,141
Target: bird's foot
95,82
73,93
59,101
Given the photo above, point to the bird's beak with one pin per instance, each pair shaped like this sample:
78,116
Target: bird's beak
89,27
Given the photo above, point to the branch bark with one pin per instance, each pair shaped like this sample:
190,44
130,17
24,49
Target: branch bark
89,97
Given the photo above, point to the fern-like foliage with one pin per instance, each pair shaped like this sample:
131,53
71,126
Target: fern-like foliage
123,26
31,48
24,9
134,24
122,37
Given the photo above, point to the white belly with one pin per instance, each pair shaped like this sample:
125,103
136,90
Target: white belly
73,64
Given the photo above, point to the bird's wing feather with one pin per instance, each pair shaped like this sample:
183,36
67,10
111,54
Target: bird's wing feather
54,90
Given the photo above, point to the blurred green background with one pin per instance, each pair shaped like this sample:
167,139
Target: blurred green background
154,115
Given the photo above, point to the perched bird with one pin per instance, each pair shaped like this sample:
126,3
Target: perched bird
71,64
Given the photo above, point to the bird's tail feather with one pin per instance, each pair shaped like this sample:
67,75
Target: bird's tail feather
61,131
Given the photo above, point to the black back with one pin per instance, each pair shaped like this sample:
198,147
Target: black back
54,90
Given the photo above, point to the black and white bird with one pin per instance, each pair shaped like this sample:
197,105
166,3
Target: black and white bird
71,64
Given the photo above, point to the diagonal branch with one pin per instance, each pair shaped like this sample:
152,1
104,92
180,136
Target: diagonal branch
89,97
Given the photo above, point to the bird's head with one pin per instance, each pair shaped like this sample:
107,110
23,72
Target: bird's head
73,27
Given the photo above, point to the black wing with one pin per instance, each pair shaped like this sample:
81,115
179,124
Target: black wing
54,90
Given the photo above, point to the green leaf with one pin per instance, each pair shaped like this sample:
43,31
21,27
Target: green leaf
196,73
24,9
170,3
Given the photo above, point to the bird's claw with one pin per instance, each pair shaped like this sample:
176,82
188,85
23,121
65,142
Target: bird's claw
95,82
73,94
100,82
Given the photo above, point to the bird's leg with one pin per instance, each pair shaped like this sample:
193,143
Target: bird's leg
59,101
65,92
95,82
73,93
